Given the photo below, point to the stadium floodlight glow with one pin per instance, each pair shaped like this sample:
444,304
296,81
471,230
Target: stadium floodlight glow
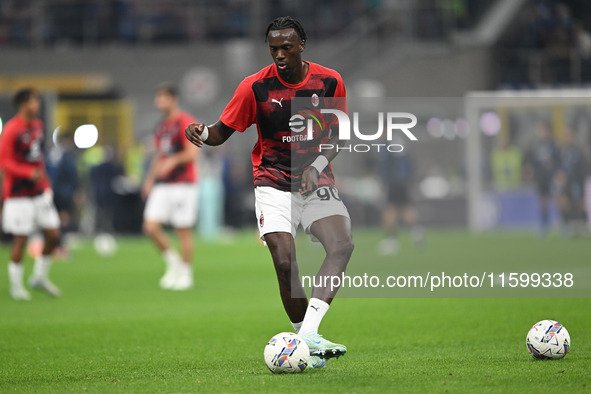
435,127
85,136
55,135
462,127
490,123
449,129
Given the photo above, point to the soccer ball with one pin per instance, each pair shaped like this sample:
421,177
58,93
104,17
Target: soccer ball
548,339
105,244
286,352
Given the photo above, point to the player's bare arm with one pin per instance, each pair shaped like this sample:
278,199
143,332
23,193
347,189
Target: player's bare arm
169,163
163,165
150,177
217,133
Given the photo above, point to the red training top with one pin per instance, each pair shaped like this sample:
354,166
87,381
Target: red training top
21,152
170,139
265,99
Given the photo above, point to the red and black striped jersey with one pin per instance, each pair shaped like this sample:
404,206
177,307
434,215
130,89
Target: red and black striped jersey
265,99
169,139
21,153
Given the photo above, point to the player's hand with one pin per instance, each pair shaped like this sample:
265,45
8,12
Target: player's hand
193,133
309,180
37,175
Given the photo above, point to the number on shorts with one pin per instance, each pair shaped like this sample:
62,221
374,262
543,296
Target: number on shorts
324,193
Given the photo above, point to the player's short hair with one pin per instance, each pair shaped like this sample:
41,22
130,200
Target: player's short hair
168,88
286,22
23,95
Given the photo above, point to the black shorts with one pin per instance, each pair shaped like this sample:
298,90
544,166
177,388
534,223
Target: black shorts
398,194
544,187
63,204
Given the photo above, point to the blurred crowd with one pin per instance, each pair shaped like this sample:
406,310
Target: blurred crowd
550,43
91,22
556,164
553,25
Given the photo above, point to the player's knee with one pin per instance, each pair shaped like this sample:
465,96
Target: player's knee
347,248
341,250
150,228
283,266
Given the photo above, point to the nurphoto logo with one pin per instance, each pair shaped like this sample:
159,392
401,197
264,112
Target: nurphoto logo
390,123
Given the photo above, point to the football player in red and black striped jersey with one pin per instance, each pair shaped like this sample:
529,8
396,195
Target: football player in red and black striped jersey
171,190
287,196
28,199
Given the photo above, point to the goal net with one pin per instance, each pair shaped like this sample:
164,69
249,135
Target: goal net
527,166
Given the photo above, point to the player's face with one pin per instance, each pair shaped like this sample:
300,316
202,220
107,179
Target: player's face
164,101
33,105
286,49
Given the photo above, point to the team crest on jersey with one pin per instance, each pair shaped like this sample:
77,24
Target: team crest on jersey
261,221
315,100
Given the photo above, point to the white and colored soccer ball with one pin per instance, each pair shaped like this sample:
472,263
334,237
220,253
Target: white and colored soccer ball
286,352
548,339
105,244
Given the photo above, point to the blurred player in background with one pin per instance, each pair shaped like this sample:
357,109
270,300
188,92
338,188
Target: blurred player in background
63,173
396,171
28,199
570,179
265,98
171,190
541,161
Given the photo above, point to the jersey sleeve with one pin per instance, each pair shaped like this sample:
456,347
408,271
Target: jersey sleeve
240,113
340,91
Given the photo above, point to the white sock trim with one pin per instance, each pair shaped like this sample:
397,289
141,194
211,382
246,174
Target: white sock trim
314,315
185,268
297,326
171,258
42,266
16,274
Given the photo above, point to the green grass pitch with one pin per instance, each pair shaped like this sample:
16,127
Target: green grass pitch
114,330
